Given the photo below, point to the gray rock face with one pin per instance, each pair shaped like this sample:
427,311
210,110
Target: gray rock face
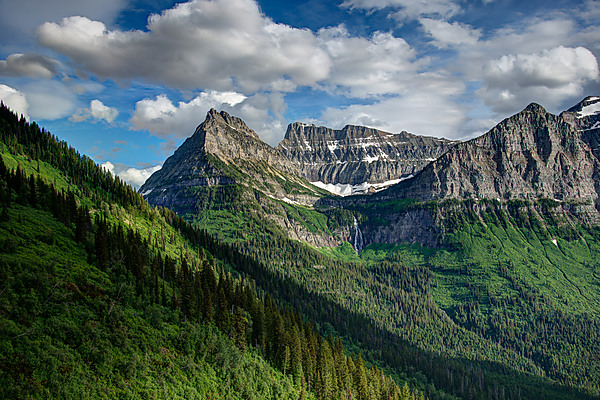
357,154
531,155
222,151
585,117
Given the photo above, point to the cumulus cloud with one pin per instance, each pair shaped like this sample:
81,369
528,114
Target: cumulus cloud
18,19
551,75
364,67
263,112
445,34
96,112
133,176
14,100
49,100
423,113
213,44
30,65
408,9
546,59
164,119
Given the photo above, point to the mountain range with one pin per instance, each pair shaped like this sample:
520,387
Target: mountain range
531,155
237,276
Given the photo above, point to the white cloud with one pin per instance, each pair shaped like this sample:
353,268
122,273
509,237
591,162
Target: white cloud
550,75
163,118
212,44
133,176
30,65
97,112
137,177
14,100
18,19
262,112
49,100
108,166
547,59
408,9
424,113
364,67
447,34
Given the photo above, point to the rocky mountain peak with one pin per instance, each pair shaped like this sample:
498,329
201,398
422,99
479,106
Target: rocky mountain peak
534,108
355,159
533,154
215,118
587,107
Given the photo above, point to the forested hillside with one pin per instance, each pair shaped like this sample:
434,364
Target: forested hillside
104,296
502,304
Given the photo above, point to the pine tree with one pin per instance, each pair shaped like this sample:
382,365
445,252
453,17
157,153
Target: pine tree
360,379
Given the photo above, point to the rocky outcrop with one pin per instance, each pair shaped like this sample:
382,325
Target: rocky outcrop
531,155
357,154
585,117
223,151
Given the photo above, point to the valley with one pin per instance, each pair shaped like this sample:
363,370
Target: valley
476,276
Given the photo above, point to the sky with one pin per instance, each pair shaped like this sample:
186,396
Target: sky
127,81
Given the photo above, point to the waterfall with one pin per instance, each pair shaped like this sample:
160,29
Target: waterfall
359,241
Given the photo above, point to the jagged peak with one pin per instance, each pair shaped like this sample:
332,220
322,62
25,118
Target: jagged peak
223,118
535,108
303,131
586,107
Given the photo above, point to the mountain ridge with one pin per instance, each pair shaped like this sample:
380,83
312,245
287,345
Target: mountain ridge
356,155
530,155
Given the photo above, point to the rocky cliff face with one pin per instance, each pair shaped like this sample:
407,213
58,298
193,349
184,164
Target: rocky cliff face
356,155
531,155
585,117
224,151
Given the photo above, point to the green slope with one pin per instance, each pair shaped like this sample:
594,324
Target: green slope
499,306
71,330
104,296
521,275
393,303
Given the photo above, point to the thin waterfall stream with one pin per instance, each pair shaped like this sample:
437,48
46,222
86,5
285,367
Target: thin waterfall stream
359,241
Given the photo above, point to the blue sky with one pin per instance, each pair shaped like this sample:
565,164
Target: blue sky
126,81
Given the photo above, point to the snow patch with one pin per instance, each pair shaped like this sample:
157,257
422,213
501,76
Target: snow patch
590,109
333,145
595,126
290,201
147,192
370,159
346,189
555,242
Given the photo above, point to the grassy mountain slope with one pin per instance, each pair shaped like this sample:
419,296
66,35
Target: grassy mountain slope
106,297
452,318
398,306
506,310
71,330
518,274
394,304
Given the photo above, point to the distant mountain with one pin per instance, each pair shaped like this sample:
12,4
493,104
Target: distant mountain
531,155
488,253
225,173
356,158
224,151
